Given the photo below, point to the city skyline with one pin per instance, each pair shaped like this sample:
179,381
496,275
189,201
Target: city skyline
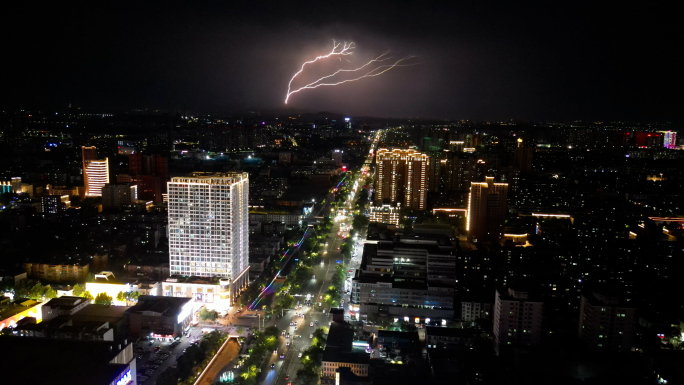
480,62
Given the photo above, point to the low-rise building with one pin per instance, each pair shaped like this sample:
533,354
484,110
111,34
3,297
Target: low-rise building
446,338
159,317
158,271
57,272
340,352
105,282
386,213
72,361
412,276
288,218
63,306
199,289
76,318
13,311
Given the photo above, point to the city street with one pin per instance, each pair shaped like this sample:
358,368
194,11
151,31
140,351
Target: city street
299,324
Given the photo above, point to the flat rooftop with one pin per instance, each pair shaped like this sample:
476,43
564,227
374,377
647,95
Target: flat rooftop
66,361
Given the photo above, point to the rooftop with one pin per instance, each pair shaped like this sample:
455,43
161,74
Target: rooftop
339,345
168,306
70,361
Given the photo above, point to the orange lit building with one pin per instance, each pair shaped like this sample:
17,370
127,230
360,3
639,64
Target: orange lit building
402,177
487,205
95,171
13,312
57,272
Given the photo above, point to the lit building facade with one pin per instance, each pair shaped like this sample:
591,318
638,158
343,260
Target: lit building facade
670,139
13,312
95,172
412,278
209,227
402,177
200,290
386,213
54,204
487,205
160,317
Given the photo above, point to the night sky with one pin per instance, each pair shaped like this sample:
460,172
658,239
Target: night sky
490,61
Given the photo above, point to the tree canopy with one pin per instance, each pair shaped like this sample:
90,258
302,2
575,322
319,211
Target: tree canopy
103,299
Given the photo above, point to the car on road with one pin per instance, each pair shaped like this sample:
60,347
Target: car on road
272,366
299,355
316,321
310,335
282,356
310,323
287,343
295,328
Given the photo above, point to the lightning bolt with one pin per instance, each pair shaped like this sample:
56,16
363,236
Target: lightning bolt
374,67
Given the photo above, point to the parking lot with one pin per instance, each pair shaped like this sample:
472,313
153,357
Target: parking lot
154,356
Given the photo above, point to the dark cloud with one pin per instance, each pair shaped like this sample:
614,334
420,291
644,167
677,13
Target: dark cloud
489,61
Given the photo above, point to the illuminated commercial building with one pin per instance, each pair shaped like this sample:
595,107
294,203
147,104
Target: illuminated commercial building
402,177
209,227
11,186
386,213
517,320
199,289
670,139
13,312
95,171
106,283
160,317
413,278
487,205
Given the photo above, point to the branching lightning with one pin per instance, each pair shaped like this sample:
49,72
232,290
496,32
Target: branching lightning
374,67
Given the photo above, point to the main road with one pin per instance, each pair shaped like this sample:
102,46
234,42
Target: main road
298,325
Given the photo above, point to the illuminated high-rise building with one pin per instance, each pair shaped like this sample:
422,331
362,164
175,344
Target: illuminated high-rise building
402,177
670,139
487,204
208,226
95,171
